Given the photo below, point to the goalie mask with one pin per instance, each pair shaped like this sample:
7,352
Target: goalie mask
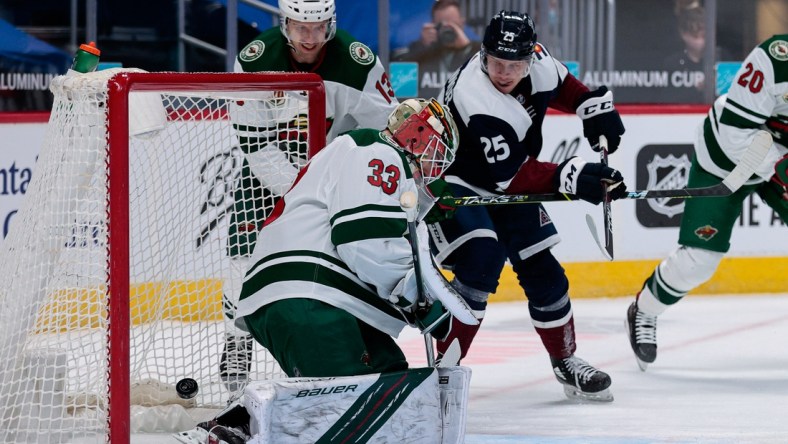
426,131
510,36
308,11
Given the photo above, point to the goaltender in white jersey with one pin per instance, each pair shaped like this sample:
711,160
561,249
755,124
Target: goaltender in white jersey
333,278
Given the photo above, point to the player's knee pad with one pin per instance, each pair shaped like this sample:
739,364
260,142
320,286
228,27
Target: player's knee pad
479,263
687,268
476,299
542,278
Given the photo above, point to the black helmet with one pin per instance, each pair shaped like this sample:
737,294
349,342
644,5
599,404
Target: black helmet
509,36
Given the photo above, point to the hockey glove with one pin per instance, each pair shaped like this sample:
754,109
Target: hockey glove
781,175
439,211
587,180
600,118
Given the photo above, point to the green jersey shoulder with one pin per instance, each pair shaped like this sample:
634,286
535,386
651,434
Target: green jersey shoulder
366,137
267,52
776,48
345,61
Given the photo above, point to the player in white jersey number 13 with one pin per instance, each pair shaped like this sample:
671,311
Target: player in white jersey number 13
358,95
756,101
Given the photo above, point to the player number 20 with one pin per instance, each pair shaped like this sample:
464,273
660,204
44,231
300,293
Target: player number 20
751,78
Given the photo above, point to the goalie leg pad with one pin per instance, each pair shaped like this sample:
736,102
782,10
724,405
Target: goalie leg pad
384,407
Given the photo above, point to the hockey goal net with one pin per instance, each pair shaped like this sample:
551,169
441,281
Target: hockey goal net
114,268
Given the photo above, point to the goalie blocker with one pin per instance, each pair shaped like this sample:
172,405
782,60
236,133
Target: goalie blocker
423,405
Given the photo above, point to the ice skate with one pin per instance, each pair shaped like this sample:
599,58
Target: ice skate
581,380
236,361
642,331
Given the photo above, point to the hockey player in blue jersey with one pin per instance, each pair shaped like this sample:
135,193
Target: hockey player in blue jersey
499,98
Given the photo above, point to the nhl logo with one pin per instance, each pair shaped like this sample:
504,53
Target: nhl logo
666,173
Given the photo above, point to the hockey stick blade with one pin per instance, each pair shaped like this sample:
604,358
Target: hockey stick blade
749,162
452,356
595,234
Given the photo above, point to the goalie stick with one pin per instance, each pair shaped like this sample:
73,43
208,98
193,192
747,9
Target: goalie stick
409,202
749,162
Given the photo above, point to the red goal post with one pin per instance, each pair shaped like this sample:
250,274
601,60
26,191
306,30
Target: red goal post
115,265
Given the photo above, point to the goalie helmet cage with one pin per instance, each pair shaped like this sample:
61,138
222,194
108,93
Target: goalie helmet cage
114,267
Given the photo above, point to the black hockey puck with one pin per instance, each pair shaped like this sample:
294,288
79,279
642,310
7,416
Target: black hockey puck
186,388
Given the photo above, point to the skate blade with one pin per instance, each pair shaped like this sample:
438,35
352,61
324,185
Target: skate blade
642,364
575,394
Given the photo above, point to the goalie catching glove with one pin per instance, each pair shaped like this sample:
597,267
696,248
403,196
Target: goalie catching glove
588,180
600,118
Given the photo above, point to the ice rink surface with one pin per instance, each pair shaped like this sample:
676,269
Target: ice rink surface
721,376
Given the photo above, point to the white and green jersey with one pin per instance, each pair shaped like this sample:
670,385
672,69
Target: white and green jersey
358,90
757,99
338,234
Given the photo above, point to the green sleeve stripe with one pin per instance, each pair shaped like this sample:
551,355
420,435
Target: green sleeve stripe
356,212
735,120
715,151
320,274
755,117
367,228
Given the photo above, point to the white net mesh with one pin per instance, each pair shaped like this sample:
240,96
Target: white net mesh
193,215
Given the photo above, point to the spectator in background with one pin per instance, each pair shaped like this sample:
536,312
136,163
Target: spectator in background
444,45
685,66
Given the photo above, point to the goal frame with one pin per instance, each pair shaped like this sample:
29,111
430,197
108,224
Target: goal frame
118,245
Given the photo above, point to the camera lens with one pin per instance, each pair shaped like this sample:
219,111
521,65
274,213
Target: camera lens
446,34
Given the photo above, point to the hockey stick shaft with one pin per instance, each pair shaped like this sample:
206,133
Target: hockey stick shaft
748,163
607,213
409,202
682,193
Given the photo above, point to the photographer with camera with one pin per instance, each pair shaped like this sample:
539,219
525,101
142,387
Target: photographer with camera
444,45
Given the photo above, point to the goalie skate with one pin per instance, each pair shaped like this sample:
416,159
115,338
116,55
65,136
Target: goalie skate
236,361
581,380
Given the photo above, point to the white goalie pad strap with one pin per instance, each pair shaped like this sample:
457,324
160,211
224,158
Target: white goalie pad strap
454,385
569,175
435,284
273,168
383,408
